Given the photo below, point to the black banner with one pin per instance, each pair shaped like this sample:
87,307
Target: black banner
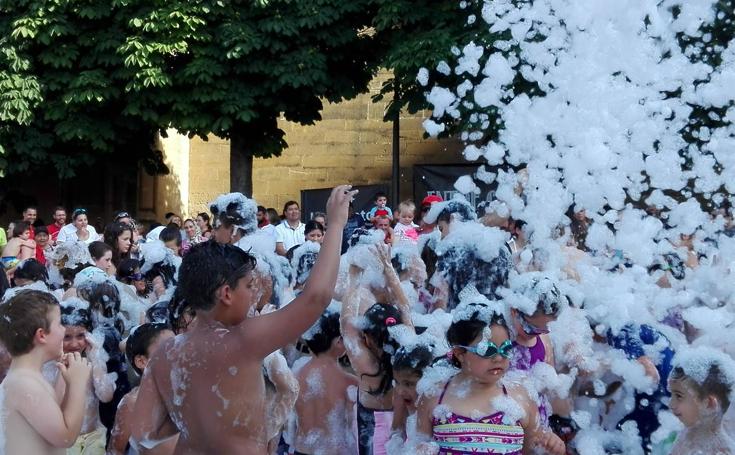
439,179
313,201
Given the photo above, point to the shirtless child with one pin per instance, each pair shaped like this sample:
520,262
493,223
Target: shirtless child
143,341
34,419
76,318
207,384
323,409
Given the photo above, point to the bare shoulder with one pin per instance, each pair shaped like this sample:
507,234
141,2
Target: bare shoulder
21,385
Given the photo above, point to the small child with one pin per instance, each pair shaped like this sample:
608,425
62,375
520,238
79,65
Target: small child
380,207
323,408
75,317
141,344
408,368
701,385
406,230
34,418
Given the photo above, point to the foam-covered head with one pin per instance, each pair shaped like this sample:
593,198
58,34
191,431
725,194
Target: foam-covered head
708,371
456,209
235,209
31,270
75,312
326,329
303,260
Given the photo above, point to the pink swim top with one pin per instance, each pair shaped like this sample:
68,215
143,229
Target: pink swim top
460,435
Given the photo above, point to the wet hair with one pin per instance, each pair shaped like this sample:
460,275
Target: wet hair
112,232
98,249
380,194
140,340
126,268
303,268
171,233
312,225
19,227
206,268
466,330
414,359
68,274
21,316
357,234
40,230
320,340
377,319
31,269
462,209
104,299
549,301
714,384
289,204
74,315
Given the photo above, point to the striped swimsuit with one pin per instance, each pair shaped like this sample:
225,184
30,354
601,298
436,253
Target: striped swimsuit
460,435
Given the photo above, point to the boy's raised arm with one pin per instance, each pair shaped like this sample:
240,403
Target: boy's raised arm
264,334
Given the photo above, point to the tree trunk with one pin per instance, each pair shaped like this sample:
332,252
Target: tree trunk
241,166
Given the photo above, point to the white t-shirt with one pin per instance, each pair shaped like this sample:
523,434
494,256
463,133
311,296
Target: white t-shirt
270,230
289,236
69,234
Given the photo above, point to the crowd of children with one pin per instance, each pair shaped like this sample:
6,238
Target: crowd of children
457,335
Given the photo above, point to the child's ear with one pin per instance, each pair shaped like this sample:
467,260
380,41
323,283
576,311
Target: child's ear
40,336
712,402
140,361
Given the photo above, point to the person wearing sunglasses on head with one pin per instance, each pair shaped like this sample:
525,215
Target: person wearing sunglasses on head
536,303
79,230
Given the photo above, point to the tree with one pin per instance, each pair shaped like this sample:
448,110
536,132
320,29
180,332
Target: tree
86,75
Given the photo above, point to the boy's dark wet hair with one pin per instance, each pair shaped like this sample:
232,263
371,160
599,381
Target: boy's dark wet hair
714,384
303,268
380,194
40,230
320,340
206,268
465,331
377,319
31,269
98,249
21,316
73,315
68,274
170,233
140,340
414,359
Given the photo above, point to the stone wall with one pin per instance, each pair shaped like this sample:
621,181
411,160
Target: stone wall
352,144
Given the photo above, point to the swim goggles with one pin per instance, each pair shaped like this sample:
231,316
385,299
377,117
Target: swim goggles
492,349
529,328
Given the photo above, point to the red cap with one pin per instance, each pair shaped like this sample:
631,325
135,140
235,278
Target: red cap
430,199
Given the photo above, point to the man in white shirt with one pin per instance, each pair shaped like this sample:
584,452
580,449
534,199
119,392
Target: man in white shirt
290,232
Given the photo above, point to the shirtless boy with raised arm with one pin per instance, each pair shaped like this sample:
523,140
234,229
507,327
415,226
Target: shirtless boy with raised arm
207,384
33,419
